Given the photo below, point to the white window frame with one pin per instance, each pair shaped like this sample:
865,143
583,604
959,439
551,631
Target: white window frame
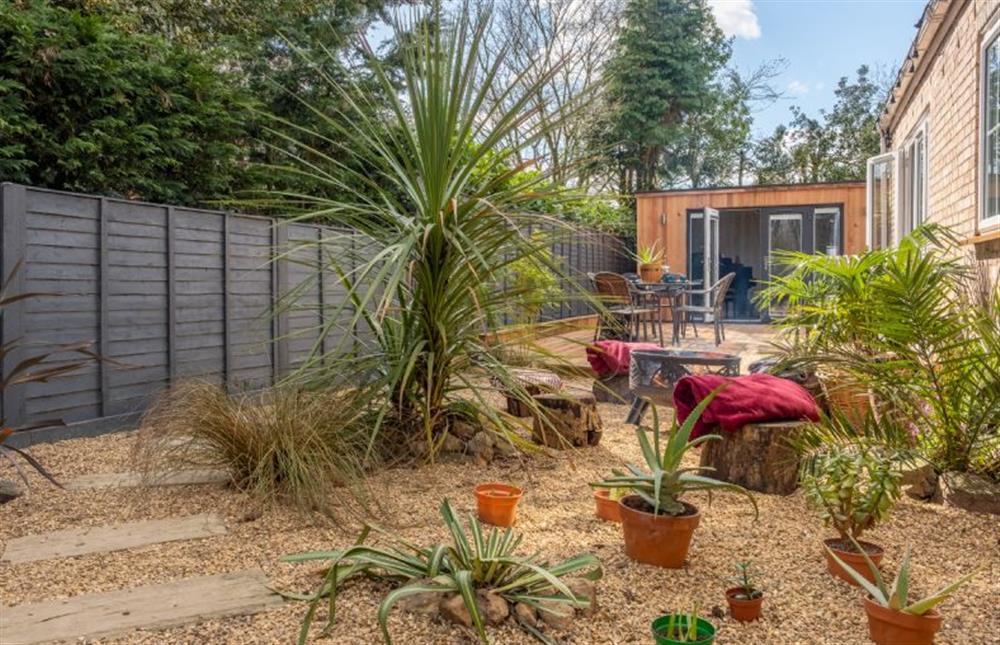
837,223
892,158
982,222
907,218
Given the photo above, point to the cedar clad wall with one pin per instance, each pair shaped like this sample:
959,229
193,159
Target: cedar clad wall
673,235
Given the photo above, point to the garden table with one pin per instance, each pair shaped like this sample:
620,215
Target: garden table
653,373
669,293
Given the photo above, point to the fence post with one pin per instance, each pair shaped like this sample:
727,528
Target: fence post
104,322
13,212
171,297
227,283
279,326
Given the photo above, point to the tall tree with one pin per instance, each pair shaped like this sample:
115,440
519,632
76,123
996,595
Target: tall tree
568,41
667,54
771,160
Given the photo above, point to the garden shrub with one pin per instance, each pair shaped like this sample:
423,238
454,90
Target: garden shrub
86,106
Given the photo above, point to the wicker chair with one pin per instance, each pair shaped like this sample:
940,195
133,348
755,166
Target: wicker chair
620,301
716,295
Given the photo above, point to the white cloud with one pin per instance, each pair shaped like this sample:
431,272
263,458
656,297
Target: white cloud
798,87
736,17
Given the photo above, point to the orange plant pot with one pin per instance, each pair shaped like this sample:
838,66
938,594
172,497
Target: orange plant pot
650,272
661,540
496,503
890,627
741,609
606,508
856,560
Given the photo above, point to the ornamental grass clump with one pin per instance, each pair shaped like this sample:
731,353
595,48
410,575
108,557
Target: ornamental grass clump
477,560
281,445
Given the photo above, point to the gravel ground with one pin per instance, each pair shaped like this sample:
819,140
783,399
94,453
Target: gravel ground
803,603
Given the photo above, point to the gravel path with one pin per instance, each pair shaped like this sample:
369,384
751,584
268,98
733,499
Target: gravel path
804,604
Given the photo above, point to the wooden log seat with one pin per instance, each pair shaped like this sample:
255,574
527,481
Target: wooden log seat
534,381
757,457
571,419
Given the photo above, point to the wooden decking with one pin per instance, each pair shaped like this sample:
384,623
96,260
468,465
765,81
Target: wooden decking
749,341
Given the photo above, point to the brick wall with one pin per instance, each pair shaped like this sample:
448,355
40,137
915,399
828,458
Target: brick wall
948,97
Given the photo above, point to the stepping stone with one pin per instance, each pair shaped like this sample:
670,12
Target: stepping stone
136,480
114,613
102,539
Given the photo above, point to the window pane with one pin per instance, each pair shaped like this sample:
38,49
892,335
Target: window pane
992,179
826,232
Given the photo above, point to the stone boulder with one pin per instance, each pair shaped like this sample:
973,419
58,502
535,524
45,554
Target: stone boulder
971,492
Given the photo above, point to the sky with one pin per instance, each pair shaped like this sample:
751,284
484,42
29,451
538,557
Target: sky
821,41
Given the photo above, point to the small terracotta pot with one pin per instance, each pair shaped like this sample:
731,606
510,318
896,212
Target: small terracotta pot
890,627
856,560
496,503
607,508
741,609
661,540
650,272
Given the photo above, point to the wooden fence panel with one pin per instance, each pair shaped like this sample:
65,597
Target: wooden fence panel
168,293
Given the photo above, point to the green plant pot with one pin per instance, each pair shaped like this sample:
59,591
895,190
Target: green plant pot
706,630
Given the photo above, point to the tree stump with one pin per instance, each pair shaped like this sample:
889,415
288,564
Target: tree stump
533,381
571,419
757,457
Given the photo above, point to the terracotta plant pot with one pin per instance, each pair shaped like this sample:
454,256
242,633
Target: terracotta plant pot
650,272
705,629
496,503
607,508
742,609
844,395
856,560
890,627
661,540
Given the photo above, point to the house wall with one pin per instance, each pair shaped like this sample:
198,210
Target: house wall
947,94
672,235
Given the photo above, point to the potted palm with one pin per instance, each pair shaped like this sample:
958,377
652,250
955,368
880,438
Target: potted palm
746,597
892,618
650,259
657,525
854,486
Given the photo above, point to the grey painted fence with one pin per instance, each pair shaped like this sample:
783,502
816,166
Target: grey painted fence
170,293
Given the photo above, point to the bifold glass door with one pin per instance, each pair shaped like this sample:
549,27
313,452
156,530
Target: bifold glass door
881,215
703,251
784,233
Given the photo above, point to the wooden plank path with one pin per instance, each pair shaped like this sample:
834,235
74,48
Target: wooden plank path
135,480
160,606
102,539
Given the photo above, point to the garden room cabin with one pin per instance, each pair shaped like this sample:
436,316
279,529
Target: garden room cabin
713,232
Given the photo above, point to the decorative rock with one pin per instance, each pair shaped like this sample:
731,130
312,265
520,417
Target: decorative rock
526,614
492,607
534,382
572,420
481,446
923,483
452,443
9,490
971,492
757,457
452,607
581,587
613,389
425,602
556,614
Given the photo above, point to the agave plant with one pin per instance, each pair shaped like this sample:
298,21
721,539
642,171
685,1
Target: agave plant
444,213
477,560
650,254
666,479
897,596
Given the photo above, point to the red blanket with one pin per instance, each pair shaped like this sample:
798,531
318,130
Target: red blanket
756,398
609,357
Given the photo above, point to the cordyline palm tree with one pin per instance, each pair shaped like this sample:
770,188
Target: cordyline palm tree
438,211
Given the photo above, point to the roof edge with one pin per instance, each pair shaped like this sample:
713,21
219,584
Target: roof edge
816,184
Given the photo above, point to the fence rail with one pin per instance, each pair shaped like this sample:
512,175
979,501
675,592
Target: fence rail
168,293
